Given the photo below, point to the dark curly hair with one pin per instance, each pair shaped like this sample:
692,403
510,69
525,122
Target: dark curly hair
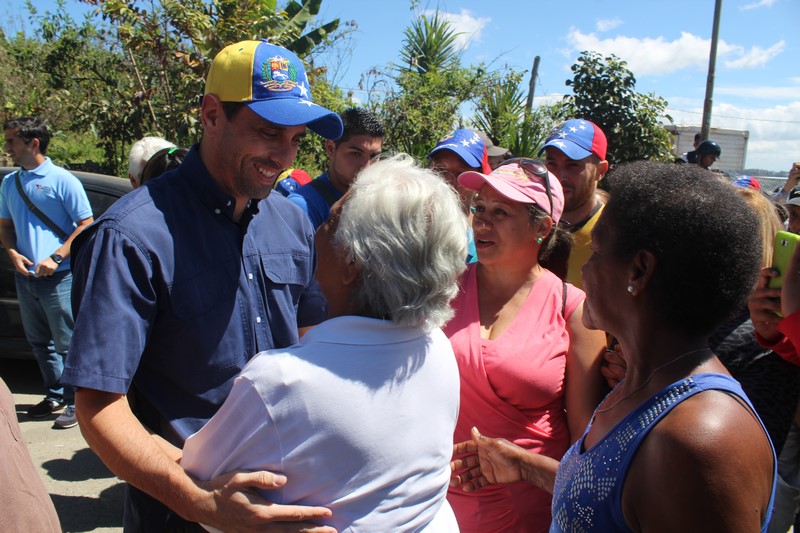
359,121
31,128
704,236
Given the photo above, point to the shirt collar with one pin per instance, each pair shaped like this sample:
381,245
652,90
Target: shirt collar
210,193
42,169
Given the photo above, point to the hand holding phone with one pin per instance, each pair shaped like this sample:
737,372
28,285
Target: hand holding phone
785,245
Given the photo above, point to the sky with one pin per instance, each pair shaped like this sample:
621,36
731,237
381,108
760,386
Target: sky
666,46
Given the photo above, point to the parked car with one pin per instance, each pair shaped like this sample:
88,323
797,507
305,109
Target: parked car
102,192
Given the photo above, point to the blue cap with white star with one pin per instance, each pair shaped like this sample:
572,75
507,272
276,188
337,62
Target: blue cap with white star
467,144
578,139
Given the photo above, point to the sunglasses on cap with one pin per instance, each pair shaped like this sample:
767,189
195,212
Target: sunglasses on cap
536,168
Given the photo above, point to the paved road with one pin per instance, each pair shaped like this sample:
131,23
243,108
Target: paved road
86,495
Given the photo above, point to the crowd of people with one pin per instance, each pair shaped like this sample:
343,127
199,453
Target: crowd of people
478,343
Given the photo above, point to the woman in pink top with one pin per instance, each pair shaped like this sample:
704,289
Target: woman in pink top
517,333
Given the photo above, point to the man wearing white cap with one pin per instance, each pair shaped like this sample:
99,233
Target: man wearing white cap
214,270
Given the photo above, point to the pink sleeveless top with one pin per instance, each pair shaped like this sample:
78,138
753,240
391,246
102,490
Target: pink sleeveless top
512,387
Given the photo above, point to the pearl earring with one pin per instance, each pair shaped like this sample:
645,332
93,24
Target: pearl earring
539,240
630,288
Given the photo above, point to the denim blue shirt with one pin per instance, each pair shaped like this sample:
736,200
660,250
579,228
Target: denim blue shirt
174,297
311,201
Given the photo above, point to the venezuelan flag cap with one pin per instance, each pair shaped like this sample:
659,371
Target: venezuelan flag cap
578,139
272,81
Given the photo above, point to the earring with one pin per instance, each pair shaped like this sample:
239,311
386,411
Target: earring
539,240
630,288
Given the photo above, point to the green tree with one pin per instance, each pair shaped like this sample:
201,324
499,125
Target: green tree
44,77
501,112
429,45
137,67
171,47
424,96
604,92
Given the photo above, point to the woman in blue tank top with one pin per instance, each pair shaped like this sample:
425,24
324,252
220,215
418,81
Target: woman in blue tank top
676,446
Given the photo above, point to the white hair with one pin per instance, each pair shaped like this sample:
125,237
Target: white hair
403,225
141,152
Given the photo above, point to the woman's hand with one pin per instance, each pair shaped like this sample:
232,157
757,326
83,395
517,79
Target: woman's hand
486,461
613,366
489,460
764,303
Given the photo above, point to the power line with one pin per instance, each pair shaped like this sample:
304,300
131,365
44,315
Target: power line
736,118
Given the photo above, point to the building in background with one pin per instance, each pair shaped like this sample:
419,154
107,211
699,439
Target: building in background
732,142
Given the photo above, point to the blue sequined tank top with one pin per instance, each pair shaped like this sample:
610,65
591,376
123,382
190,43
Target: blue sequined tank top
588,487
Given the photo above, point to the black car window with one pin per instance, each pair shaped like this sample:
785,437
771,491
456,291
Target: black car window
100,200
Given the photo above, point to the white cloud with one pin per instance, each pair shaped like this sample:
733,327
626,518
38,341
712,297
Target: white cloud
756,5
649,55
655,56
757,56
769,92
468,27
607,24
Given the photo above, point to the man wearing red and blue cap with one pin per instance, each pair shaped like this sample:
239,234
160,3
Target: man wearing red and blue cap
576,155
212,270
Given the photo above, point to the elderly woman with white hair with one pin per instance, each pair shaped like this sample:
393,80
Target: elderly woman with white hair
359,415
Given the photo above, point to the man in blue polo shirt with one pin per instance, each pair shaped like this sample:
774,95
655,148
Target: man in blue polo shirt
183,280
40,253
357,148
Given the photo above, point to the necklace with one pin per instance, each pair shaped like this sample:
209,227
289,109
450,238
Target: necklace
647,380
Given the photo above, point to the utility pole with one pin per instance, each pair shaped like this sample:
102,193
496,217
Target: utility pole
532,85
712,63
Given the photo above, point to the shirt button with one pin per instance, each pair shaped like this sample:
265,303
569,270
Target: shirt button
216,211
249,275
258,320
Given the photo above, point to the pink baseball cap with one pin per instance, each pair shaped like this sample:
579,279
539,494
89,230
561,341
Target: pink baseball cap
522,180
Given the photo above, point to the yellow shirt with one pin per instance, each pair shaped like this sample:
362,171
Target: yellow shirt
581,250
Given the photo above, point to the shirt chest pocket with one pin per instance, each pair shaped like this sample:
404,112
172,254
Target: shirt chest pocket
212,289
290,268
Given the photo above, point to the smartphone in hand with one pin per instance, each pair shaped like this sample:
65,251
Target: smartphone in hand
785,244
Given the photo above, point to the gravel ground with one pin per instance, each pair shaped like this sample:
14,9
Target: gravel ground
87,496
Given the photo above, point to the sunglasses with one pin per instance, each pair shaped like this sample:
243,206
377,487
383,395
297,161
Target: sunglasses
536,168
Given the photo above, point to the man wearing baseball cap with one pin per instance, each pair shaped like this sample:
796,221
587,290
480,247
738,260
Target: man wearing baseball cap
461,151
214,269
576,155
793,206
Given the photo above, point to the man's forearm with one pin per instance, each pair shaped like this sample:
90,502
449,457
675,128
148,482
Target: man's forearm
130,452
64,249
8,237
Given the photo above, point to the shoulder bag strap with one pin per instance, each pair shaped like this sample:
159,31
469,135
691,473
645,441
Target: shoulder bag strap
325,191
36,211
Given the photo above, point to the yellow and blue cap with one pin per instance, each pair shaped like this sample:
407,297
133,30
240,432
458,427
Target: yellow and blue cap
272,81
